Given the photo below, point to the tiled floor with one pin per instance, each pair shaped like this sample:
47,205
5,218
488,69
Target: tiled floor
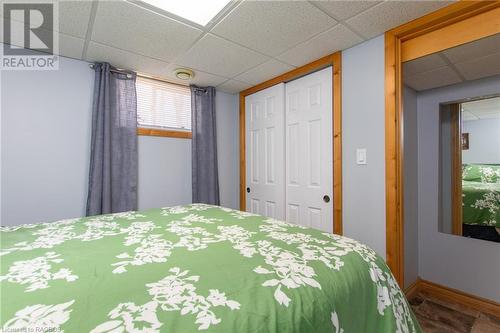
435,316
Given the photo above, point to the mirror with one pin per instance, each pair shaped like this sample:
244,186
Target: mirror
452,126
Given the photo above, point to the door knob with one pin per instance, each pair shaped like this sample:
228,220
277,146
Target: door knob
248,189
326,198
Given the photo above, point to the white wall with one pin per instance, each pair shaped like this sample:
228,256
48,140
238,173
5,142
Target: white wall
484,141
410,186
466,264
363,126
45,132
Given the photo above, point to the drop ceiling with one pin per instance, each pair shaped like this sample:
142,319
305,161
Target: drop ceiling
247,43
471,61
482,109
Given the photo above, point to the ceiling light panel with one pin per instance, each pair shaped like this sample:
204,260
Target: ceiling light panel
197,11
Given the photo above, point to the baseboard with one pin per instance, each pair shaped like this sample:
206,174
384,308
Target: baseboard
455,296
413,289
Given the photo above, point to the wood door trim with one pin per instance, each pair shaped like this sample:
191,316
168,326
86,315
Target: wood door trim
395,40
471,29
456,170
334,60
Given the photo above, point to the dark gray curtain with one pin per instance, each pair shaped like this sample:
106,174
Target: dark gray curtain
113,156
205,178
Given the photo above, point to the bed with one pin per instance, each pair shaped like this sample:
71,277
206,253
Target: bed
193,268
481,201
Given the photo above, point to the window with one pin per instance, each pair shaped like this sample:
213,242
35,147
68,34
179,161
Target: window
162,105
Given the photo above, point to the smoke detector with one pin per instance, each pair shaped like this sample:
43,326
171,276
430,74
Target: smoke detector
184,73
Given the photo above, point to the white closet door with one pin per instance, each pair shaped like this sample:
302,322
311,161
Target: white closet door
309,165
264,123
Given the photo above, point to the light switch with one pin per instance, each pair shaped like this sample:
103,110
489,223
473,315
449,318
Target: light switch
361,156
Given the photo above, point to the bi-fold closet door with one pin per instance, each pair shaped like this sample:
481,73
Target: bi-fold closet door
289,163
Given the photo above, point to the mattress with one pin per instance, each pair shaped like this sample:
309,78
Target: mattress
193,268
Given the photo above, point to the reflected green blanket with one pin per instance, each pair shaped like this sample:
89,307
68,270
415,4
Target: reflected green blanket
481,203
481,194
193,268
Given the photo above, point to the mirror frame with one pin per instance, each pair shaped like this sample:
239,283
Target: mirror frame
454,25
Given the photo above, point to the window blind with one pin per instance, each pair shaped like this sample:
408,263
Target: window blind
163,105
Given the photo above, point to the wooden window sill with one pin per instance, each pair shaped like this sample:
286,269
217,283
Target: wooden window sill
164,133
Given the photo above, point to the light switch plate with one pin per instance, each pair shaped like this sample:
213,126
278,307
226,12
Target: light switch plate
361,156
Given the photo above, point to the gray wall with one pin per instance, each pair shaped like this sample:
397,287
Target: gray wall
410,181
484,141
466,264
45,138
228,149
363,110
46,118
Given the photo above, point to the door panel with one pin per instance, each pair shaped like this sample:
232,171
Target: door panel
265,152
309,163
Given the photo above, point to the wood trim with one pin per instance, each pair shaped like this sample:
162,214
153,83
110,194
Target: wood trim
460,297
334,60
456,12
413,289
337,143
394,39
293,74
456,170
393,159
471,29
164,133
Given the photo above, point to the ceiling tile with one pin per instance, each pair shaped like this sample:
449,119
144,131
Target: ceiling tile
343,10
337,38
271,27
264,72
215,55
148,66
133,28
16,26
473,50
480,67
440,77
389,14
200,78
233,86
126,60
73,17
481,109
70,46
468,116
423,64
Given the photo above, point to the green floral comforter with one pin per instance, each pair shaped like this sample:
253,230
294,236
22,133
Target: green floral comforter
481,195
193,268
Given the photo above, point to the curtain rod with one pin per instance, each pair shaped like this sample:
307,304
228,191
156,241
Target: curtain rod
144,76
129,76
151,78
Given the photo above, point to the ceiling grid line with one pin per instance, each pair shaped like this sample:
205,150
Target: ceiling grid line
247,42
452,66
342,21
90,27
